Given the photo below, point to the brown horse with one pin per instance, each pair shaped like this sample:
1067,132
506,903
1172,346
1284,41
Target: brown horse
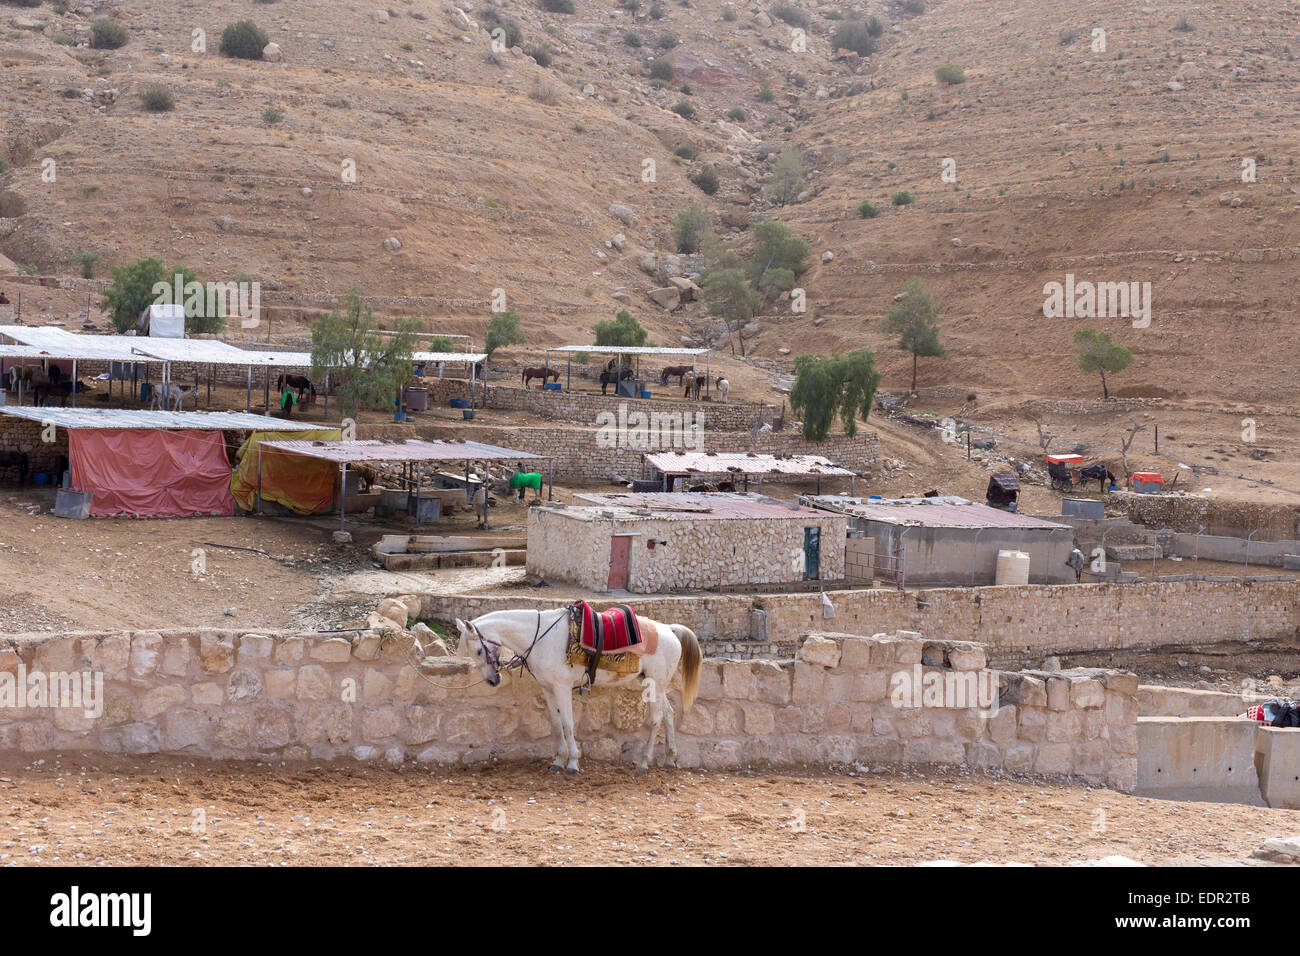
680,371
16,459
542,373
694,388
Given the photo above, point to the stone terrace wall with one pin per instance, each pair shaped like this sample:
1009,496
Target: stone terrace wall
1234,519
580,458
21,434
582,408
1009,619
306,696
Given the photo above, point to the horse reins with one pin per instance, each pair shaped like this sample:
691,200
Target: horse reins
494,656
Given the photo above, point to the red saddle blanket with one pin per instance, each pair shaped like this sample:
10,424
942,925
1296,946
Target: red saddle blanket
608,631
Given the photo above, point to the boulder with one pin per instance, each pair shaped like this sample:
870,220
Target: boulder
392,243
272,52
381,16
668,298
685,287
625,214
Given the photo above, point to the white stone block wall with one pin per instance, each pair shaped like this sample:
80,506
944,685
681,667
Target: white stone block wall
299,696
689,554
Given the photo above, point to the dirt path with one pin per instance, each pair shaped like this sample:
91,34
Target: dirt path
176,812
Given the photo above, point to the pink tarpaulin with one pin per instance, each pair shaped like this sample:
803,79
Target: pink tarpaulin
151,472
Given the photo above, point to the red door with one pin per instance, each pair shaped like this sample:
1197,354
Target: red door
620,553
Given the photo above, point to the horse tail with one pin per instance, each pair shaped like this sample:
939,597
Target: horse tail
692,658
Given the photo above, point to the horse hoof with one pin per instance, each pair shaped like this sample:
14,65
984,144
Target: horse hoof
571,772
642,769
670,764
556,768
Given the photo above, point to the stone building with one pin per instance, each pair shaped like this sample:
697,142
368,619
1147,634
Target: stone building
654,543
945,541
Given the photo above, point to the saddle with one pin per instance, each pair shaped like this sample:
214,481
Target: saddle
596,639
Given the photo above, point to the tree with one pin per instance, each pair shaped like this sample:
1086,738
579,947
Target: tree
857,36
365,366
622,331
133,291
1096,353
728,295
776,248
787,176
440,343
824,386
690,226
503,329
913,320
244,40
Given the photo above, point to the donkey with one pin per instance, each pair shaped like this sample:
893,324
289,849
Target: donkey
540,639
543,373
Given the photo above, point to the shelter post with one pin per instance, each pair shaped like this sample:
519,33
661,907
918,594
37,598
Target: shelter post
259,478
550,480
74,383
343,493
418,476
248,396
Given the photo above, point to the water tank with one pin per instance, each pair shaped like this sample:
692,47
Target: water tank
1013,568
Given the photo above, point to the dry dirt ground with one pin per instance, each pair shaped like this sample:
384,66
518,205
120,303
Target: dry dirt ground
167,811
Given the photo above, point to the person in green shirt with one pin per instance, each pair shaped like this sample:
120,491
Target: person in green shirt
287,400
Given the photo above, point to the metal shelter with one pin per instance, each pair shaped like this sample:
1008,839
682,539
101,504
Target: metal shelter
632,351
414,451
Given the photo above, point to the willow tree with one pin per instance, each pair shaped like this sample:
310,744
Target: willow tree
366,366
841,384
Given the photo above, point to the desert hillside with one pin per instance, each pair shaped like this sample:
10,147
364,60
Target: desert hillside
493,171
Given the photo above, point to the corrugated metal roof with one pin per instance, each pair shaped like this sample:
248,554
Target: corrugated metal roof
712,463
70,352
949,512
626,350
410,450
691,505
471,357
132,418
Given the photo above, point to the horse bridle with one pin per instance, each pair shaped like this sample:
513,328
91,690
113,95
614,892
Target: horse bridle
493,656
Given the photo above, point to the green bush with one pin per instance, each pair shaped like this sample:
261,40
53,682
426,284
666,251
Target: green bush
656,12
765,94
23,3
243,40
874,27
541,54
950,73
558,6
157,98
737,114
706,180
631,6
107,35
854,35
513,34
684,110
868,210
666,41
902,198
800,80
62,39
662,70
271,115
791,14
87,259
632,39
729,13
686,89
914,6
684,151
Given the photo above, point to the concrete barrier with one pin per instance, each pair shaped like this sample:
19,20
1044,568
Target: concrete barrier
1277,762
1198,758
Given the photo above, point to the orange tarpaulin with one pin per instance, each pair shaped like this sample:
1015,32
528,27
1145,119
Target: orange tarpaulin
151,472
301,484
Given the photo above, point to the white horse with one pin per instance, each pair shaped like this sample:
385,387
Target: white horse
540,638
723,388
173,396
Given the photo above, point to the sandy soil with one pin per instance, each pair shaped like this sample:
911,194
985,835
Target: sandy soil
176,812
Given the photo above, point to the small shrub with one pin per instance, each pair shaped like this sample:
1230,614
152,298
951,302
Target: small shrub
544,91
914,6
765,94
271,115
791,14
656,12
632,39
62,39
244,40
1183,25
902,198
70,93
686,90
706,180
950,73
513,34
87,259
662,70
540,53
737,114
666,41
1067,36
684,151
729,14
23,3
557,6
868,210
4,165
684,110
800,80
107,35
631,6
854,35
157,98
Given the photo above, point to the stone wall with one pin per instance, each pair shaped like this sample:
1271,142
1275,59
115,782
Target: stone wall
689,554
1236,519
581,457
582,407
1009,620
22,434
291,696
